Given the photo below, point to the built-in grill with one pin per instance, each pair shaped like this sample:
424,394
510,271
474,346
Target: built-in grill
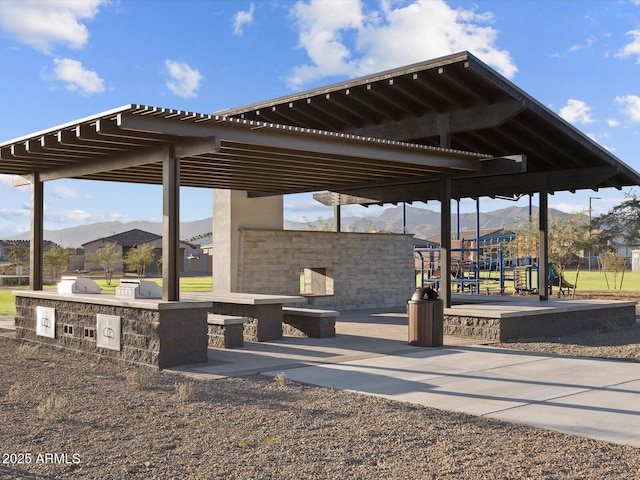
135,288
78,285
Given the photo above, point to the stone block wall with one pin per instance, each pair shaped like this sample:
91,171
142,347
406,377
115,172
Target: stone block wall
555,323
362,270
150,336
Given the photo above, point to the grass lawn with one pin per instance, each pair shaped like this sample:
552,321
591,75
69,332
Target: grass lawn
187,284
594,280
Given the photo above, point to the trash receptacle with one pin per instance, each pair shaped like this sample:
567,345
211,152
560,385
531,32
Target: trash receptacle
426,317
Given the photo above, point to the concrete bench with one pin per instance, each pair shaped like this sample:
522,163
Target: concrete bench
225,331
309,322
264,312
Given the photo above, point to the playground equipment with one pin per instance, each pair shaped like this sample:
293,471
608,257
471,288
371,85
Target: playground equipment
484,269
478,277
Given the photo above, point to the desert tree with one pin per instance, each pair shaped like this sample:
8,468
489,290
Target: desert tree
621,222
57,259
17,255
612,261
106,257
320,225
568,238
139,257
527,239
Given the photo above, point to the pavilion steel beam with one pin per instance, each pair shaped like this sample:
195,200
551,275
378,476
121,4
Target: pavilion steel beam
170,227
445,241
120,161
459,120
543,256
478,186
331,143
37,233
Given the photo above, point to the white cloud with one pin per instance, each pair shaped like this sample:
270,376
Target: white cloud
579,46
76,77
66,193
569,207
41,24
184,81
241,19
6,180
630,106
633,48
15,212
576,111
64,216
612,122
341,38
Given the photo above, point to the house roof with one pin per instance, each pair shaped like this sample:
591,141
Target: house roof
133,238
459,101
130,238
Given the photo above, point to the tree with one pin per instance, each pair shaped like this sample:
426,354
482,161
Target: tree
612,261
622,221
57,259
18,255
105,257
321,224
137,258
567,238
526,241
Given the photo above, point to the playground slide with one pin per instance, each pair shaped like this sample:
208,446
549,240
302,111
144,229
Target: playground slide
555,278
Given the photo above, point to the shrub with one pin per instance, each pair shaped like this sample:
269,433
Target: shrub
54,409
140,378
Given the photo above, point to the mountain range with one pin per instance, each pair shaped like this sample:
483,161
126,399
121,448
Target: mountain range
422,222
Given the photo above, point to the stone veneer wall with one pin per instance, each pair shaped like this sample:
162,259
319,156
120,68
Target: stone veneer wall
155,336
552,324
366,270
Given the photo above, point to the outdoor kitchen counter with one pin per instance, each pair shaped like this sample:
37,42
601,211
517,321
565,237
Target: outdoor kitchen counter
141,331
107,299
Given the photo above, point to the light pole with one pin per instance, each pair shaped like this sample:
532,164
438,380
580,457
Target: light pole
591,198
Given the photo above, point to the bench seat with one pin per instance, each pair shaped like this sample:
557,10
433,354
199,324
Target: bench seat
309,322
225,331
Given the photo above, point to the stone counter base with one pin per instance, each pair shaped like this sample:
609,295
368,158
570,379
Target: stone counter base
149,334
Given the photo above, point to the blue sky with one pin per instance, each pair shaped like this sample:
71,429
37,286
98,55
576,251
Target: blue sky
64,60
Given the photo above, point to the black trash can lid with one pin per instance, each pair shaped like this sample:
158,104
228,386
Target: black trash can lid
424,293
419,294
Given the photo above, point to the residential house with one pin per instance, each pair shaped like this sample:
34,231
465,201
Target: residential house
128,240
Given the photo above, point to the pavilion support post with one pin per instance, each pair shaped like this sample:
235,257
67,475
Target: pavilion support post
445,241
170,228
444,128
37,233
543,256
336,218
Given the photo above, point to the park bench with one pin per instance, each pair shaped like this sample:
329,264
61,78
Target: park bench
225,331
309,322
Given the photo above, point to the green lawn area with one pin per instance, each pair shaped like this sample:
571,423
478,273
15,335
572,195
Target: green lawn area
187,284
594,280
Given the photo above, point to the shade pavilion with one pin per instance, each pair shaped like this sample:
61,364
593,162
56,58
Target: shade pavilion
445,129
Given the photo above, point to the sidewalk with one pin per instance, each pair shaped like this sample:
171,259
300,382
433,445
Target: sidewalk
7,326
593,398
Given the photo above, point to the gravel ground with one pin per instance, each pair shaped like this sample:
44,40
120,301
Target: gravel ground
70,416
